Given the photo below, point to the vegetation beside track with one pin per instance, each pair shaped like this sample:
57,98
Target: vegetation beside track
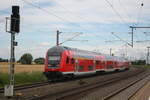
22,78
144,66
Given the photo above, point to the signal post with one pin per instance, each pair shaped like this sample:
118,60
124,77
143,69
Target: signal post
14,28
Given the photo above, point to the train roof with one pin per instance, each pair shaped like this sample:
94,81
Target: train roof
83,53
62,48
58,49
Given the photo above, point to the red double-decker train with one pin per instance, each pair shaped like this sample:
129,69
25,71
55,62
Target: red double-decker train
63,62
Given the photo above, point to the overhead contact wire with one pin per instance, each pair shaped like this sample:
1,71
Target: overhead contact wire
116,12
50,13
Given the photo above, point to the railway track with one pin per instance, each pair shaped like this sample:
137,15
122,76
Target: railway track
75,93
21,87
109,96
34,85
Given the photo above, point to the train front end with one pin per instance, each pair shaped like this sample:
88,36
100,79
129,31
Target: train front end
53,63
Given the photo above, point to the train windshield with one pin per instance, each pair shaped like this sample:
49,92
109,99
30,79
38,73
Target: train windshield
54,60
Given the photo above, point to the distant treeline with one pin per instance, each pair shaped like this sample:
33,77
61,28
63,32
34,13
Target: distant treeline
27,59
3,60
139,62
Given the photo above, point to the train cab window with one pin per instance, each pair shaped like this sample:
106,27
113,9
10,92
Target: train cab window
72,61
67,60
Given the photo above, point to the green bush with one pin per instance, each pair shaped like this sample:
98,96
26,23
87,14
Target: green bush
39,60
4,79
25,77
139,62
3,60
26,58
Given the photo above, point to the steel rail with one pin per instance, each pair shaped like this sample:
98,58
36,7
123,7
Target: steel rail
26,86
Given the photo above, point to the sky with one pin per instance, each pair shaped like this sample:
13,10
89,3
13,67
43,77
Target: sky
91,22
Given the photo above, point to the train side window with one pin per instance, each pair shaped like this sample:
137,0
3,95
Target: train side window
72,61
97,62
81,68
103,62
67,60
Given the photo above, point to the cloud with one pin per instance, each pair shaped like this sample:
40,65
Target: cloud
138,52
44,44
96,19
5,53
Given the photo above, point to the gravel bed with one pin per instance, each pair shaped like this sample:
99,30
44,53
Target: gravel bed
104,91
126,94
143,93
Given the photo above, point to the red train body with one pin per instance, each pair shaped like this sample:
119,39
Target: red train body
68,62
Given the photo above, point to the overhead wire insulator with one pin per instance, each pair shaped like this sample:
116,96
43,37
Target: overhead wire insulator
142,4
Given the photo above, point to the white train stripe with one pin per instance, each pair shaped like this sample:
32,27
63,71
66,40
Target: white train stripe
92,72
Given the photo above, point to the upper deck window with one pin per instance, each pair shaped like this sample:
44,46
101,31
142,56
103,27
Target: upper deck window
67,60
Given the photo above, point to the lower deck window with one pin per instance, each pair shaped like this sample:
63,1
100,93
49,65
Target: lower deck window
81,68
90,67
109,66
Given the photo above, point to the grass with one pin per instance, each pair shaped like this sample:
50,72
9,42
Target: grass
3,79
22,78
145,66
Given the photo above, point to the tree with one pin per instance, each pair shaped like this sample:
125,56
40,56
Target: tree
139,62
26,58
39,60
3,60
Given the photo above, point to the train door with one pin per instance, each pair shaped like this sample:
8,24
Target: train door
72,64
94,65
90,65
104,64
110,64
69,64
76,65
81,65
